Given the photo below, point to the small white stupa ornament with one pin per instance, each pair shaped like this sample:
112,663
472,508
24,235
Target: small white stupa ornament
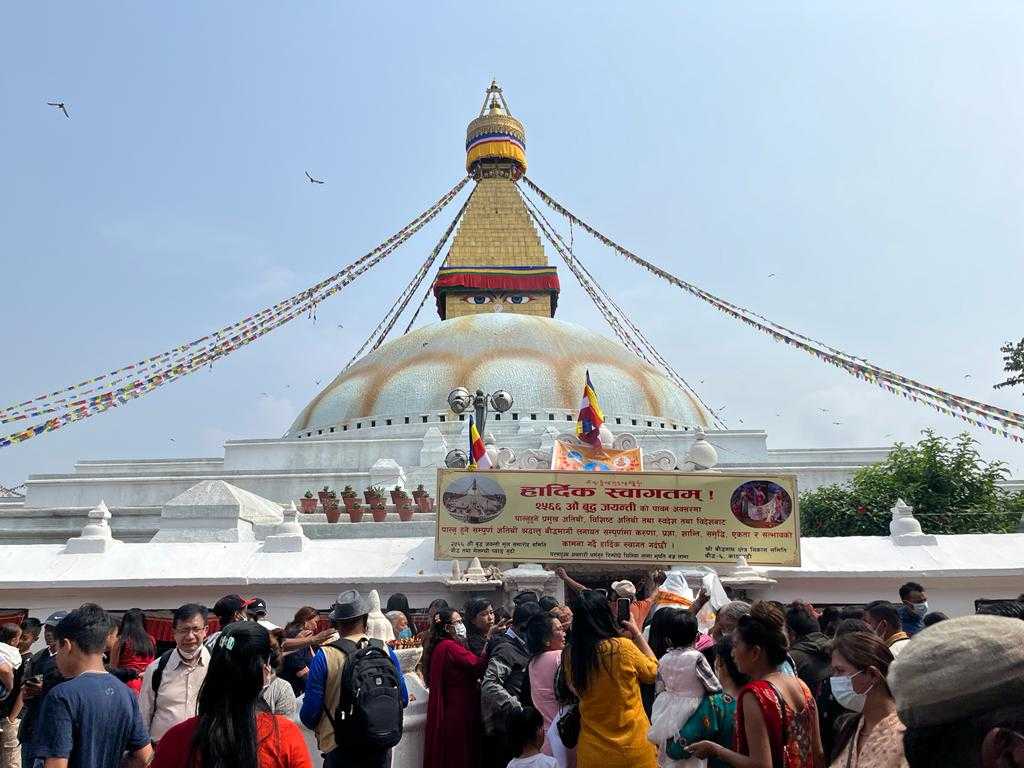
905,528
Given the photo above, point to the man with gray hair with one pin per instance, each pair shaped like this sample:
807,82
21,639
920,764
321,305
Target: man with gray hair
959,689
727,617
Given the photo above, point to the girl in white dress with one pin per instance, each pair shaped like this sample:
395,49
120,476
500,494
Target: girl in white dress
684,677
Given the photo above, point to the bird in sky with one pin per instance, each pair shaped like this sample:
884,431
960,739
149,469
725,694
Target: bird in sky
823,410
967,375
340,325
61,106
172,439
312,180
317,382
838,423
771,274
264,394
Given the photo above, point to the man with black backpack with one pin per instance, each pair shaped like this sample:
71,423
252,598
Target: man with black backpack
355,692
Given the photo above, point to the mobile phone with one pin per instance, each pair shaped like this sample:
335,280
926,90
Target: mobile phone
622,609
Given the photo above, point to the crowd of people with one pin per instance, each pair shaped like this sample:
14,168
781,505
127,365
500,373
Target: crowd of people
606,679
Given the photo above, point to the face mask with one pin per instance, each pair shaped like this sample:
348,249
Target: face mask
405,634
189,655
460,631
842,689
919,609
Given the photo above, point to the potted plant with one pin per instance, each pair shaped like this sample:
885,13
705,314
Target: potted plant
323,494
378,503
403,504
331,507
354,509
308,503
422,498
348,496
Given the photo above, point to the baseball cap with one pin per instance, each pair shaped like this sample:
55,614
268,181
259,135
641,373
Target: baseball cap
55,618
229,604
257,606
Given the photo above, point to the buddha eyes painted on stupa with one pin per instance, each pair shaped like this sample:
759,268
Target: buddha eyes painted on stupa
510,298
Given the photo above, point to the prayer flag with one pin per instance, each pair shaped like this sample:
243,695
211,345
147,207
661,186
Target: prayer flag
478,458
588,425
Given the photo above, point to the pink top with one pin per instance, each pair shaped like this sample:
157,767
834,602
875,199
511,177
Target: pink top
542,689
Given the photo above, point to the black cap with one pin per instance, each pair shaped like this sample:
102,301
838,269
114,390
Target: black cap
229,605
55,618
257,607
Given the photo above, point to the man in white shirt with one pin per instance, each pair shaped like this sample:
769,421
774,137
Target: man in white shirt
170,685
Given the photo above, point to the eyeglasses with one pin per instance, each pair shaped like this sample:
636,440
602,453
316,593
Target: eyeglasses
185,631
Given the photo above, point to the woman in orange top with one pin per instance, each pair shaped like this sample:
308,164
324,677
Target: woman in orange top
605,671
233,726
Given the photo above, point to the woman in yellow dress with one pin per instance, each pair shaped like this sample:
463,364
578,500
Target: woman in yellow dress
605,670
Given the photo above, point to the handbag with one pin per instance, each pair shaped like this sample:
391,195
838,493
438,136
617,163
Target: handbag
569,725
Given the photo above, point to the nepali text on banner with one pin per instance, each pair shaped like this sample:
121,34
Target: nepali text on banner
644,517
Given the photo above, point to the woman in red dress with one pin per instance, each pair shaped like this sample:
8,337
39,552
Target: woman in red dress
776,719
451,671
135,649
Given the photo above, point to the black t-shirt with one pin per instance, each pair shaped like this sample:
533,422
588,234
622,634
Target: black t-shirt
291,665
44,664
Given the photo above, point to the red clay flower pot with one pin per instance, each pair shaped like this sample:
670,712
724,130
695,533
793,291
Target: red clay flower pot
308,506
331,510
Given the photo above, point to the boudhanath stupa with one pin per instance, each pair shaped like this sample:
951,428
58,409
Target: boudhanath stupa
155,533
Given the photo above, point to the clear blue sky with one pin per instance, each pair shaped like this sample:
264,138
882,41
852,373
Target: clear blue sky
869,154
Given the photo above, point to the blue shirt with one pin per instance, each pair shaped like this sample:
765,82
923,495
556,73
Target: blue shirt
316,684
90,720
912,623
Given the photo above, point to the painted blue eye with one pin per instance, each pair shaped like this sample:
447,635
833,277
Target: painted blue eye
518,298
478,298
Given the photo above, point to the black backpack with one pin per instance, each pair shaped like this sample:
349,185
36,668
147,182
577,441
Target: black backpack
369,713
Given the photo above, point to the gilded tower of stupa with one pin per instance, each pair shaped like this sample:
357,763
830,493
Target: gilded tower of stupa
496,262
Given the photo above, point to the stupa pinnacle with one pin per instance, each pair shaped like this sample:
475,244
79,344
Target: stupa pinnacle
496,262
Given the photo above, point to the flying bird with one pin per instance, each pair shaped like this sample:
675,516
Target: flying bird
823,410
172,439
838,423
967,375
771,274
312,180
340,325
61,106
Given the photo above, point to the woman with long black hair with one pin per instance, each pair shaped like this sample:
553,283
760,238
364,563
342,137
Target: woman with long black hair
134,650
605,671
233,728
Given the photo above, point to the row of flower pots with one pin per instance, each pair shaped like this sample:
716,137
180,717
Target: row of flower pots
375,499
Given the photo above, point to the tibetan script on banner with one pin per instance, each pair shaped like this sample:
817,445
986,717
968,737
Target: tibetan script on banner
644,517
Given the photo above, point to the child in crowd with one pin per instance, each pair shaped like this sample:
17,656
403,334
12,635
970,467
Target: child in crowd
526,738
684,676
10,636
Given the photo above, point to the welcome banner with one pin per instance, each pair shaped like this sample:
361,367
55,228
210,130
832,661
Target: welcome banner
643,517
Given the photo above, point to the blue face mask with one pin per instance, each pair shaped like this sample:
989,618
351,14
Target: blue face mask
405,634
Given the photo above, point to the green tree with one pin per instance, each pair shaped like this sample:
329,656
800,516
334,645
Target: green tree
951,487
1013,363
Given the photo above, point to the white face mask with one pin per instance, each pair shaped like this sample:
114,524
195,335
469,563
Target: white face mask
460,631
842,689
919,609
189,655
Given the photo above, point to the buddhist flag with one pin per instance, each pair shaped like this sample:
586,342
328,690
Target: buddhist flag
588,425
478,458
